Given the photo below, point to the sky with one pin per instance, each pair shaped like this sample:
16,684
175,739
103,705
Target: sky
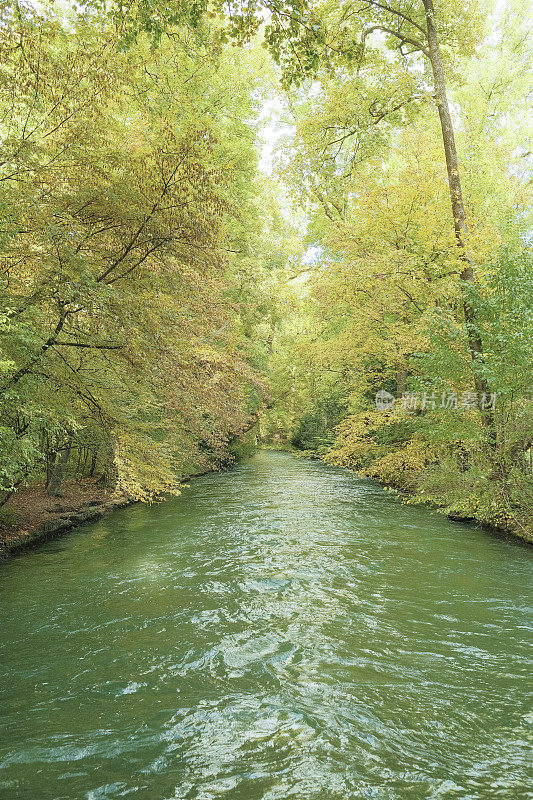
271,131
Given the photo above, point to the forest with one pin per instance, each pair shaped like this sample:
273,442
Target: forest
296,224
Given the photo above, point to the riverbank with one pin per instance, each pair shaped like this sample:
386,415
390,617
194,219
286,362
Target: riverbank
513,529
31,516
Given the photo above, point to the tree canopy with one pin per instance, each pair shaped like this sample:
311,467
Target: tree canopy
164,302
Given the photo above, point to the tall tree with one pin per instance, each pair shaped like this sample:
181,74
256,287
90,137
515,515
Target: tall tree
121,177
410,29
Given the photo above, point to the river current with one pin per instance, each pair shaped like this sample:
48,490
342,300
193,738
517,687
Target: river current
281,631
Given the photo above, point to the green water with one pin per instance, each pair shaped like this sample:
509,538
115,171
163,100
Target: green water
281,630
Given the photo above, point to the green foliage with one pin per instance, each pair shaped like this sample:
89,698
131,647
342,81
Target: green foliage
294,34
243,447
158,302
8,518
445,456
383,305
314,429
128,182
490,480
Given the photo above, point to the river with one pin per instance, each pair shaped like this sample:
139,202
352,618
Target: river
281,630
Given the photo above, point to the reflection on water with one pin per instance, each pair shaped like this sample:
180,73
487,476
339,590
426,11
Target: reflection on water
279,631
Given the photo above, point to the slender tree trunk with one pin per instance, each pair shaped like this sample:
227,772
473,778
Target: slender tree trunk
109,476
475,344
401,382
84,464
57,472
93,463
79,469
51,456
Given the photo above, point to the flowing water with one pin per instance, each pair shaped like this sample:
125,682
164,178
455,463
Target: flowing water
282,630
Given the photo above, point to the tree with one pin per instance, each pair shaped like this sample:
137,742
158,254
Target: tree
382,305
119,198
298,35
412,29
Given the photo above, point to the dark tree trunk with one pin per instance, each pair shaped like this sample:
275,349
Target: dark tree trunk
57,470
93,463
51,456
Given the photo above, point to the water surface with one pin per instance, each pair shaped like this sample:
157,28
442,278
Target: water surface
280,631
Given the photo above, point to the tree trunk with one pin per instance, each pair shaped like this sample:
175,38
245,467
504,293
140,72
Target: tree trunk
51,457
475,344
109,476
401,382
93,463
57,470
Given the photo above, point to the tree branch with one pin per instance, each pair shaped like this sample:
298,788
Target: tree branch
90,346
397,13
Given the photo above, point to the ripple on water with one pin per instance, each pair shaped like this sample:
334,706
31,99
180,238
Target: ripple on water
279,631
